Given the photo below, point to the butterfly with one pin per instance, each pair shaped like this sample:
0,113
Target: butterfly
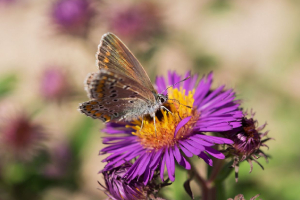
121,90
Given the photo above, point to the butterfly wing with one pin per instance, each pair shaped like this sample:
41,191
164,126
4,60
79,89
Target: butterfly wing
115,97
114,55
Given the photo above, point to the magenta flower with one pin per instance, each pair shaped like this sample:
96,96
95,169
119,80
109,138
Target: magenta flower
116,187
72,16
196,110
139,20
54,84
247,142
20,137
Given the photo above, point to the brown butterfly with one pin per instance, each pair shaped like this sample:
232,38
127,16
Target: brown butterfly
121,90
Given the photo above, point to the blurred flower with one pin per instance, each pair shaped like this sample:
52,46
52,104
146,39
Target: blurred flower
247,142
61,160
72,16
136,21
241,197
20,137
54,84
116,187
7,1
195,109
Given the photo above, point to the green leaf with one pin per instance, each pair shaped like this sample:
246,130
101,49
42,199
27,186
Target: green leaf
81,134
7,84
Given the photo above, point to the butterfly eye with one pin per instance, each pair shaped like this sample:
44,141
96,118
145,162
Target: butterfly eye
162,100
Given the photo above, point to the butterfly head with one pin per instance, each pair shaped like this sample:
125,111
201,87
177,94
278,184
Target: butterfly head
161,98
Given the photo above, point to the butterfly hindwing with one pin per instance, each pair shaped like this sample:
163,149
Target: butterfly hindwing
115,97
114,55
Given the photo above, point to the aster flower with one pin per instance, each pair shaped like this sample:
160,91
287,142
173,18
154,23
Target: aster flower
7,2
134,21
196,109
116,187
247,142
20,137
54,84
72,16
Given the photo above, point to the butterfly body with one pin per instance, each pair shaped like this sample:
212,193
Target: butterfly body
121,90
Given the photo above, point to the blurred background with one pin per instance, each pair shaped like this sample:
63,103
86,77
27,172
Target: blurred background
50,151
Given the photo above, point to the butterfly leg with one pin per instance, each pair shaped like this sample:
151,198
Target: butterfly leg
167,109
142,123
154,125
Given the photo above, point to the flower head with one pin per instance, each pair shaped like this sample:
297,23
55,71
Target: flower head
7,1
54,84
116,187
195,109
72,16
136,21
247,142
20,137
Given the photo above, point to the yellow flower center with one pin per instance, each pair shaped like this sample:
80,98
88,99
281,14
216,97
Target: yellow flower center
166,122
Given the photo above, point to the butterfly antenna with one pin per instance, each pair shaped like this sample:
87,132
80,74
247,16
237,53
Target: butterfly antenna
176,83
180,103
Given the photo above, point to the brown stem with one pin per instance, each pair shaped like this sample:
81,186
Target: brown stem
218,165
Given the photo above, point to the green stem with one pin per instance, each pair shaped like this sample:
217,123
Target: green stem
201,182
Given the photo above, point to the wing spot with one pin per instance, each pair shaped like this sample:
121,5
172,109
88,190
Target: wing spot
107,53
107,102
115,100
126,87
113,91
113,95
106,60
130,101
116,114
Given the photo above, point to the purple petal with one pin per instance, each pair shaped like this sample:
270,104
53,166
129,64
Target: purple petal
162,167
146,176
181,124
206,158
214,153
155,158
180,159
200,141
214,139
185,151
186,83
169,163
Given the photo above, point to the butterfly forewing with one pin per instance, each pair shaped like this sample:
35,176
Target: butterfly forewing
115,97
114,55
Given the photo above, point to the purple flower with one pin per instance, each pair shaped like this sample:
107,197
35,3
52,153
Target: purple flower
247,142
72,16
20,137
116,187
195,110
136,21
54,84
7,1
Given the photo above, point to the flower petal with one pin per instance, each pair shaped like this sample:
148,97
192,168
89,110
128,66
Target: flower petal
181,124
